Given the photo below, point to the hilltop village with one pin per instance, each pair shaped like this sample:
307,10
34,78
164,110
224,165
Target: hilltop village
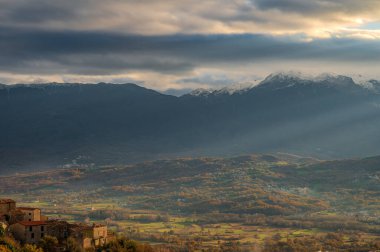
28,226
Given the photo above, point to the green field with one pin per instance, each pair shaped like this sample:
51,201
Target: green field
243,201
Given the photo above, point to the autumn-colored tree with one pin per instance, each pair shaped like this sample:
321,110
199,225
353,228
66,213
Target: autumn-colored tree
48,243
277,237
126,245
9,243
4,248
73,245
2,231
30,248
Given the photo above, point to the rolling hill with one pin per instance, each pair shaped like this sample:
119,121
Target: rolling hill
270,185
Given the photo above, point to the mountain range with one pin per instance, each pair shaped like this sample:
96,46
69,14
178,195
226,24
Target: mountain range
327,117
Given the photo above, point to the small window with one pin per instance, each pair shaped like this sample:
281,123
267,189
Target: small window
42,228
30,229
30,213
30,219
32,235
42,235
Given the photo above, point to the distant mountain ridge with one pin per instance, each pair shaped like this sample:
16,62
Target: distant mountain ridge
290,79
53,124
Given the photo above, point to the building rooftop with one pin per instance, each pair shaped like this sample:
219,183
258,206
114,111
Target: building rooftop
28,208
3,201
98,225
80,227
85,227
32,223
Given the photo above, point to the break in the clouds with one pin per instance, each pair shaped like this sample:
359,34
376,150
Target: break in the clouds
184,44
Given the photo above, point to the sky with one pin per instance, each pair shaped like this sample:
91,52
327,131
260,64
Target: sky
185,44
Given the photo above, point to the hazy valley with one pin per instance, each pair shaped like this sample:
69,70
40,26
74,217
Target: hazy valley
212,202
189,126
53,124
281,163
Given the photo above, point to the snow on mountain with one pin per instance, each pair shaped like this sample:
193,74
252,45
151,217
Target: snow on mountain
236,88
373,85
334,79
283,80
229,90
282,76
201,92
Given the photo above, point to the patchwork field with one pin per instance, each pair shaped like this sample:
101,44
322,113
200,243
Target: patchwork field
212,203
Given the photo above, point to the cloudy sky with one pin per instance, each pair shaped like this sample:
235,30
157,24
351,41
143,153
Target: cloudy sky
184,44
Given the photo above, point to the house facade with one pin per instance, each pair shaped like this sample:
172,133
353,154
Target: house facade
29,231
27,225
6,206
90,236
9,213
30,213
58,229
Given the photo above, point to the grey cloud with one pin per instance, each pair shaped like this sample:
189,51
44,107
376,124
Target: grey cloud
301,6
36,13
25,51
209,79
318,7
39,11
169,16
72,52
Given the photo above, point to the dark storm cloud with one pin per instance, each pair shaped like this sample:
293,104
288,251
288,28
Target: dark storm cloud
30,12
221,80
300,6
160,17
74,52
40,11
318,7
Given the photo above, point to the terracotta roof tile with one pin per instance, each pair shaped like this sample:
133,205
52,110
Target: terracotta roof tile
7,201
33,223
28,208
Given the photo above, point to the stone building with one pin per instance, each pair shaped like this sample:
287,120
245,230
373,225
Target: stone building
29,231
6,206
27,225
31,213
90,236
9,213
58,229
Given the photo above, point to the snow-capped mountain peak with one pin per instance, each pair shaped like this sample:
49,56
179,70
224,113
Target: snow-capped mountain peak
201,92
336,78
229,90
282,80
236,88
286,76
286,80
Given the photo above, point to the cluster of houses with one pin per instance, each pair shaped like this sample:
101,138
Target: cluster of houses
27,225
